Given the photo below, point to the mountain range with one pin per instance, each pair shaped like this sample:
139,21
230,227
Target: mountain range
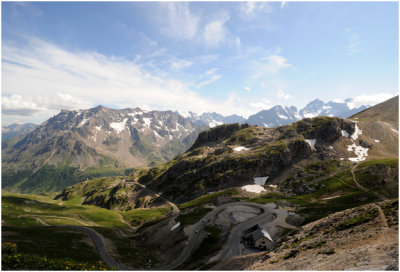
74,145
16,130
279,115
97,140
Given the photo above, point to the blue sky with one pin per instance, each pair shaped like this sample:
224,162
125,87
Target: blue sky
228,57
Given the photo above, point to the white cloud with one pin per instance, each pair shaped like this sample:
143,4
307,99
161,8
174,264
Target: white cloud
177,20
18,105
215,32
283,4
249,10
35,105
272,64
264,104
180,64
371,99
39,73
281,94
336,100
247,89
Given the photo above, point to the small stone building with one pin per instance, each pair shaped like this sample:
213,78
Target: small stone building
258,237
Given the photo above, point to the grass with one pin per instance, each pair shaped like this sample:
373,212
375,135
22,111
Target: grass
13,260
360,219
316,244
21,210
137,217
208,198
193,216
211,244
52,242
126,250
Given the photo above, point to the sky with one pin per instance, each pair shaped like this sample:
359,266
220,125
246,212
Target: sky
224,57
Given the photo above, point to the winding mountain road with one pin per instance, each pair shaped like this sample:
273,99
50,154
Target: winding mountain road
197,231
101,249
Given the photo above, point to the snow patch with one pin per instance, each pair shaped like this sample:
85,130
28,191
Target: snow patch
253,188
147,122
361,152
265,125
345,133
260,180
356,133
376,141
214,123
394,130
157,135
331,147
83,122
332,197
282,116
310,115
120,126
174,227
311,142
98,128
240,148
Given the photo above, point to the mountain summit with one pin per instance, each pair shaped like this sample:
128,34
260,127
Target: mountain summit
99,138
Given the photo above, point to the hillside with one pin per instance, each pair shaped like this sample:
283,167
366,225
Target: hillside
387,111
362,238
232,155
74,145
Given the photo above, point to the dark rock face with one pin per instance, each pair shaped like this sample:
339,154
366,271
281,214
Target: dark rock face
217,134
365,144
324,129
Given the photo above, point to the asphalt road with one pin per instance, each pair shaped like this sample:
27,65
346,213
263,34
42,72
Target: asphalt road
197,233
101,249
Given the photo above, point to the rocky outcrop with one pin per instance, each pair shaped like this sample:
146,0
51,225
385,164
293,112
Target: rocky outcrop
216,135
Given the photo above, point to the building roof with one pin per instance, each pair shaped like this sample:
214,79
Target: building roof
260,233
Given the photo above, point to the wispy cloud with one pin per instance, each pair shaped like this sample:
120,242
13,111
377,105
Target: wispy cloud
47,70
208,77
283,4
249,10
181,64
282,95
270,65
247,89
353,42
62,79
178,21
215,32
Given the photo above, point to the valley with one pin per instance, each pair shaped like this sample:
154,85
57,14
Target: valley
322,188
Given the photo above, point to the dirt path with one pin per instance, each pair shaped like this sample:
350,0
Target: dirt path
381,197
175,209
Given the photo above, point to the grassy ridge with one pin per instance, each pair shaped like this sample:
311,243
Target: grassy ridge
29,210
